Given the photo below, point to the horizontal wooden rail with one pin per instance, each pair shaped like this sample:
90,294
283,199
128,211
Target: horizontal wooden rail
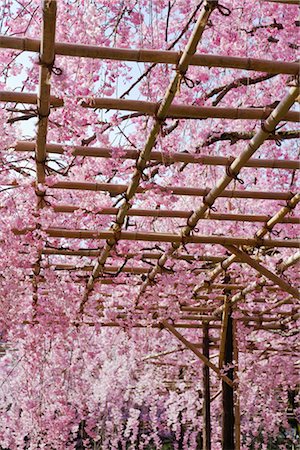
151,56
141,256
174,190
113,269
150,108
167,213
284,2
27,98
164,237
99,152
187,112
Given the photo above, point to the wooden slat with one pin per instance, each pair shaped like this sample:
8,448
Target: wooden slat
99,152
152,56
163,237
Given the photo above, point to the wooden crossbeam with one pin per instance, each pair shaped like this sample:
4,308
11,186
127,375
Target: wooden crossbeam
181,214
152,56
168,190
187,112
148,108
284,2
141,256
99,152
163,237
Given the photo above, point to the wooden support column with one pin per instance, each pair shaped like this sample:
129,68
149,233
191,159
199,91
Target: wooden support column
206,391
227,393
237,412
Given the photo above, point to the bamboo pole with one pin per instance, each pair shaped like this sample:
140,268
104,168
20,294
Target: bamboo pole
88,268
148,108
187,112
243,291
284,2
232,172
144,255
27,98
47,56
237,287
206,391
159,326
165,213
163,237
284,301
122,314
46,59
269,225
291,261
152,56
264,271
70,267
174,190
141,163
99,152
165,324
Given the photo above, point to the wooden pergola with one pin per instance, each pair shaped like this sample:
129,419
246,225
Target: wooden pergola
229,294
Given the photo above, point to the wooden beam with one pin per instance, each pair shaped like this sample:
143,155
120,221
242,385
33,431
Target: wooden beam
46,61
186,112
181,214
148,108
144,255
189,158
181,338
264,271
291,261
27,98
174,190
227,394
206,391
152,56
162,237
284,2
236,393
225,318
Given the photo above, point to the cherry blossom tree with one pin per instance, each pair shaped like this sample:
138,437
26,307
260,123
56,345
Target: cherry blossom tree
104,373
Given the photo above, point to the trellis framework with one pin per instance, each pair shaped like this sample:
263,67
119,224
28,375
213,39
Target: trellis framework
229,294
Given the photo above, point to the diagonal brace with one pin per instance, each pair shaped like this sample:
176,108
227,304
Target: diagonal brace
194,349
263,270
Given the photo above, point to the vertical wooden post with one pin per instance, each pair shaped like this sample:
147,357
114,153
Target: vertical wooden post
206,392
237,414
227,394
